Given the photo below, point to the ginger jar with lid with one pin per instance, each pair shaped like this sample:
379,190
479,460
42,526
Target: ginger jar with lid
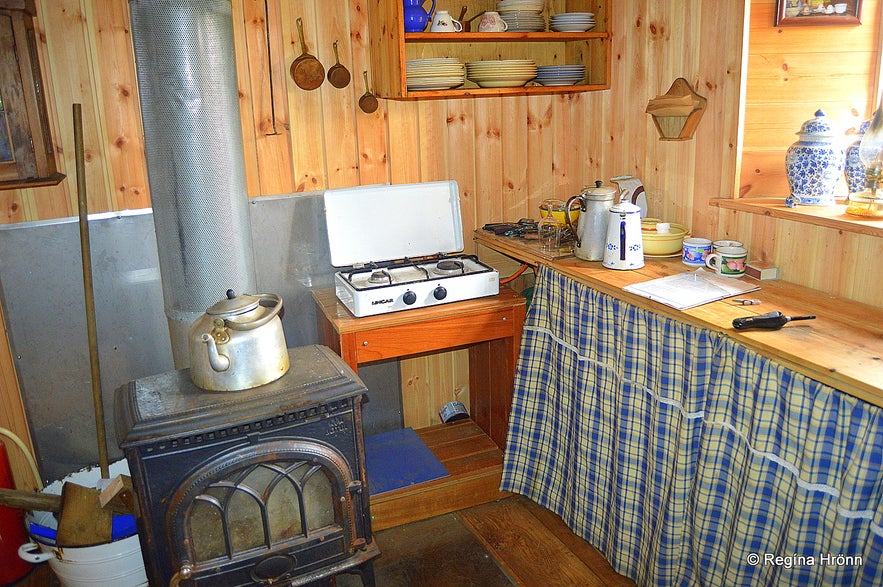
815,162
855,169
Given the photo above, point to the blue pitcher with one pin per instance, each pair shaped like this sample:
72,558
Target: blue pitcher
415,16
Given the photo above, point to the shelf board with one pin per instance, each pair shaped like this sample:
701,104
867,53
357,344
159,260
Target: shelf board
543,37
475,467
828,216
516,91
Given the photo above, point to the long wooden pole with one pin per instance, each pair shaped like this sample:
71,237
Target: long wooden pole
91,330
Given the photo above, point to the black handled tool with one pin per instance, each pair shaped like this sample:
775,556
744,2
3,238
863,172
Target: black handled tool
768,321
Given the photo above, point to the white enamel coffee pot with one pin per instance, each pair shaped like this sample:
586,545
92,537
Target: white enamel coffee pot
594,205
625,247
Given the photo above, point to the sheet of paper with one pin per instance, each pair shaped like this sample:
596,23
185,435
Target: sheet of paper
691,289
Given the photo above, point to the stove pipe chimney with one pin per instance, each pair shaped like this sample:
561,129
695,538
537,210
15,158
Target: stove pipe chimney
190,109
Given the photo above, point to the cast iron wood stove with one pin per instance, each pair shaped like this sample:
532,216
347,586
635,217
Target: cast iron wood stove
264,486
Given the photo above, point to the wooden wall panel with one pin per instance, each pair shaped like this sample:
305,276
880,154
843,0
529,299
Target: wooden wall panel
118,114
794,71
71,53
264,99
507,153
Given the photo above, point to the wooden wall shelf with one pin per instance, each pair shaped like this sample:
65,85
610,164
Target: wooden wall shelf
677,113
391,48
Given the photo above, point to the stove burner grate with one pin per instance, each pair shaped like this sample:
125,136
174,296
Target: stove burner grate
449,267
380,276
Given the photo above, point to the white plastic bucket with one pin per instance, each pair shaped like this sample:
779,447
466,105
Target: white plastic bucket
115,564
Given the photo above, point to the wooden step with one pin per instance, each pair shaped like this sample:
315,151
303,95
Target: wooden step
475,465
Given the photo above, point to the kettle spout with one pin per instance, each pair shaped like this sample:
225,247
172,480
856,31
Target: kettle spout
219,362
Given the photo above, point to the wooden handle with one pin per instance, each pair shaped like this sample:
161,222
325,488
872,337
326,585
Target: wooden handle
46,502
29,500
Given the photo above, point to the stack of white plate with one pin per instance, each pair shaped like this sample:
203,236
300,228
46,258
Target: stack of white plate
530,5
572,22
560,75
523,21
434,74
506,73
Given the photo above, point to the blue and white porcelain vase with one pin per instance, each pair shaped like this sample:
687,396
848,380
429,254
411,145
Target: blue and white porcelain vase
815,162
855,169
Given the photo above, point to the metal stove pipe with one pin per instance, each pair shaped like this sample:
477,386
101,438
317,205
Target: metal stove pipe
190,109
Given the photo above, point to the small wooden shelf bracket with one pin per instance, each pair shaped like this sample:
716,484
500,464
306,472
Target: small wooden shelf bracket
676,113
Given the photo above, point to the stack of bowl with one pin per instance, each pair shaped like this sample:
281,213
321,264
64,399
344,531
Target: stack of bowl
523,15
505,73
572,22
434,74
560,75
662,244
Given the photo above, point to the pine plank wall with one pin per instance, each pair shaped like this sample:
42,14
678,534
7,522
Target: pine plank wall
507,154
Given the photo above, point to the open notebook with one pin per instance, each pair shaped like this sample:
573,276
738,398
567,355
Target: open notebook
690,289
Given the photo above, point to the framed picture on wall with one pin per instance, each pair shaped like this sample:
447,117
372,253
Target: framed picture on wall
817,12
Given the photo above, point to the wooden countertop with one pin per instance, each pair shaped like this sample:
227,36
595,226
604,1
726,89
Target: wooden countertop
842,347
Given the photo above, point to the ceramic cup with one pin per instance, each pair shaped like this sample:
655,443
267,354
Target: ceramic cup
840,8
492,22
728,261
445,23
725,243
695,251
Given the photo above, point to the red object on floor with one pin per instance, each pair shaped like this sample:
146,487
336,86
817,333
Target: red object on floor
12,529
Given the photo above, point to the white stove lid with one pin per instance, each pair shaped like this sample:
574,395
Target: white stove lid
388,222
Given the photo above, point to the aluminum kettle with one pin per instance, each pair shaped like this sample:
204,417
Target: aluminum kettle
594,205
238,343
625,245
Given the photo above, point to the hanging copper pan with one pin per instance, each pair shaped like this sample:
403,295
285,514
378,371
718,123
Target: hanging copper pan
338,75
368,102
306,71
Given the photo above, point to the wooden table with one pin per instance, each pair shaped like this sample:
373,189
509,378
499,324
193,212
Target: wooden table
490,327
842,347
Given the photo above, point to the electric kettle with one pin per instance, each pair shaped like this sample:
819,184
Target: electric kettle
238,343
625,246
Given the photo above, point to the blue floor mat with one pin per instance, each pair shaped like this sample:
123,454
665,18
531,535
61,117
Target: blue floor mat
399,458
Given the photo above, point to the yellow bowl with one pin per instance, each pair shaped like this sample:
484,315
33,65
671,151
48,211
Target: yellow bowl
658,245
558,211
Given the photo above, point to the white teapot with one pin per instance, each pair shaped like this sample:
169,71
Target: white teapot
625,247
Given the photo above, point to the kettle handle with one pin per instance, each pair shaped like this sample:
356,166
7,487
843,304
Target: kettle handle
568,221
432,10
274,299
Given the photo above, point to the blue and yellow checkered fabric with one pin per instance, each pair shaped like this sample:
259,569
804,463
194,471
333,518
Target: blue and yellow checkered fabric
686,458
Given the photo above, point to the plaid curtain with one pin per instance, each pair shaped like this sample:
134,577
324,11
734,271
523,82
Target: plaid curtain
686,458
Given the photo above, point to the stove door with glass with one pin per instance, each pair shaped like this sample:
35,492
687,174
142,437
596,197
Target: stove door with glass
255,487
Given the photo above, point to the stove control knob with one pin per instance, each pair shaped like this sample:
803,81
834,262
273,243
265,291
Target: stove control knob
409,297
440,293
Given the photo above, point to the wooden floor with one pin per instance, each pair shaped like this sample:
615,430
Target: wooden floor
460,530
535,547
507,542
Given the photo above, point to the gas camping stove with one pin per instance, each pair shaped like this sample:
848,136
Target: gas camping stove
397,266
388,287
